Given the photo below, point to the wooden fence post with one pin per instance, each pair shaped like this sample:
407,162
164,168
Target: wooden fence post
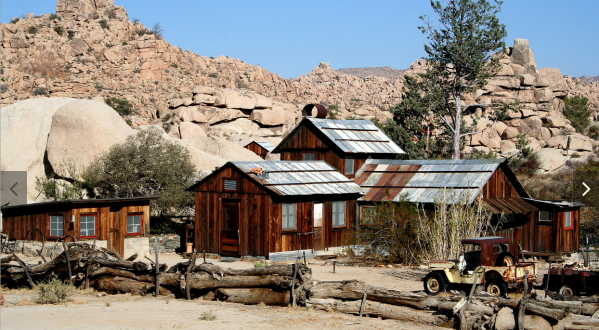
192,263
157,267
463,324
66,255
523,302
363,301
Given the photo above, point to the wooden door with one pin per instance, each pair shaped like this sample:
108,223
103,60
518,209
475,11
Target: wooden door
543,237
229,232
317,225
115,235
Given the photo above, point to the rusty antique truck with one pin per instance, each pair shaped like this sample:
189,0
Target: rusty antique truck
490,258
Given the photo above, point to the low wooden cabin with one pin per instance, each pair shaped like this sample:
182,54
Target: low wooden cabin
108,221
551,231
455,181
345,144
257,208
260,148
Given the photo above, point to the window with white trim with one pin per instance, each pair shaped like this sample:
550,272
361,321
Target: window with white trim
87,225
56,226
349,165
134,224
545,216
289,216
338,214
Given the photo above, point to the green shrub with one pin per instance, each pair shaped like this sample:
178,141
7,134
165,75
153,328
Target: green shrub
174,65
103,23
59,29
593,132
157,30
54,16
40,91
121,106
166,117
213,75
99,87
14,20
577,111
208,316
111,13
71,35
124,43
54,292
259,264
32,30
3,88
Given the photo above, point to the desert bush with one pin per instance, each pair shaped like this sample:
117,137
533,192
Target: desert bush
60,188
103,23
242,85
157,30
111,13
213,75
593,132
387,232
439,232
54,16
71,35
577,111
124,43
54,292
59,29
207,316
32,30
99,87
14,20
259,264
40,91
4,88
166,117
121,106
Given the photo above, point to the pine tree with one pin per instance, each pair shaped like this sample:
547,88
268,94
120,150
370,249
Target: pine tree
460,55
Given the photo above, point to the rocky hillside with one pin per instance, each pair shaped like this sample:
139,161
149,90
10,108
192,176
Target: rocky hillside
589,79
385,72
90,49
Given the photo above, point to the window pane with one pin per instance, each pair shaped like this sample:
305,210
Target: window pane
56,226
288,218
568,219
349,166
134,224
309,156
544,216
338,213
88,225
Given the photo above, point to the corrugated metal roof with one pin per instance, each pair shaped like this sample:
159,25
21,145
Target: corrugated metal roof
264,144
296,178
425,181
356,136
509,206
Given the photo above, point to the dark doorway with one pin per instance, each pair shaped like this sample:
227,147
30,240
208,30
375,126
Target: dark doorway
229,234
318,219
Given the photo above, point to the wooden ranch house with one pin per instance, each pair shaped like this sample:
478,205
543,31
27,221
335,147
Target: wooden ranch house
456,181
257,208
260,148
119,224
345,144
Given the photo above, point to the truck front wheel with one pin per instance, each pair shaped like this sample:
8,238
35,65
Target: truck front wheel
567,290
496,287
434,283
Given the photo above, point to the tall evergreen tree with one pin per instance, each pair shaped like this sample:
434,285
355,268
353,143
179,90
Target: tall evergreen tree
460,54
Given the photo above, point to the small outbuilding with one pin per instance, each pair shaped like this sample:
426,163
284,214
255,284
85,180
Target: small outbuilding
345,144
260,148
257,208
118,224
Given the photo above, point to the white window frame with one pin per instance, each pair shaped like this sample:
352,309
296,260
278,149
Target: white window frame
289,216
339,214
545,220
350,160
568,214
56,225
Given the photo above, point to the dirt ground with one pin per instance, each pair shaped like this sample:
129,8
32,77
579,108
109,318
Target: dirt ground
93,310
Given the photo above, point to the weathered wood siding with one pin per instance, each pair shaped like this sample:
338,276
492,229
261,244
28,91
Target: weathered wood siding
305,140
257,149
111,221
499,186
260,228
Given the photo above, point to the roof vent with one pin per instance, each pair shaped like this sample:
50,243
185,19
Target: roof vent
314,110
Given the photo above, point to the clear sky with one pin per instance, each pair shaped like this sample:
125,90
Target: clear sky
290,38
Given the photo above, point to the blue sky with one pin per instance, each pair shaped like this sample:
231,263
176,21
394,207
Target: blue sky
290,38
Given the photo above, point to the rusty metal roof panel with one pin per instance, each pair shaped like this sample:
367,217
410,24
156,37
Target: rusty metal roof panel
264,144
509,205
426,181
300,178
356,136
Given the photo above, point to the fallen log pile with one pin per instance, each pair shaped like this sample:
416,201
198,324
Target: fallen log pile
483,311
86,266
282,285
